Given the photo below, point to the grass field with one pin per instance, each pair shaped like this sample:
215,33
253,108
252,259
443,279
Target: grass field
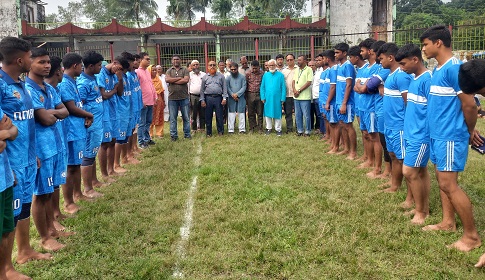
265,207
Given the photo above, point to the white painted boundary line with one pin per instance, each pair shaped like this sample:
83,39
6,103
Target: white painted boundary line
188,217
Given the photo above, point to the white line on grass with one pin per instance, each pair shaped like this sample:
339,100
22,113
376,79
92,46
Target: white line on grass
188,216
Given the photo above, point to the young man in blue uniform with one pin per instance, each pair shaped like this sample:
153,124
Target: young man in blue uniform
471,79
327,96
47,110
137,104
17,105
453,116
53,79
110,81
76,123
393,107
416,132
361,67
92,102
344,100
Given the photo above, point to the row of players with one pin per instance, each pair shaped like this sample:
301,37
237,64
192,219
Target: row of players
52,126
412,115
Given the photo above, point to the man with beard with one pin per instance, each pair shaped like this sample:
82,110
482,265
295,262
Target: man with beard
289,73
255,106
213,95
195,81
236,87
273,95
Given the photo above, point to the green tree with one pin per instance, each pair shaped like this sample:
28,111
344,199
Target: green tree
221,8
136,9
185,9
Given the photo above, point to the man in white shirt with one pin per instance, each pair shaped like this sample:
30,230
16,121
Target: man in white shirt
198,112
319,122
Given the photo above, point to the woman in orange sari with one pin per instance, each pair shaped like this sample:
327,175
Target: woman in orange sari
156,128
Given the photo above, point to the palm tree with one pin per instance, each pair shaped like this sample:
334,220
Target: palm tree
184,9
136,9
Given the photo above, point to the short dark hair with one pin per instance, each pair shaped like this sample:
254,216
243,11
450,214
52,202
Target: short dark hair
128,56
91,58
176,55
388,49
256,63
71,59
376,45
234,64
143,54
55,65
279,56
136,56
12,48
343,47
367,43
355,51
304,57
37,52
123,62
409,51
437,32
221,61
330,54
292,55
320,55
471,76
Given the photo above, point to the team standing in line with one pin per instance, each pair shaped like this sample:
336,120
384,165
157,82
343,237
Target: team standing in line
54,124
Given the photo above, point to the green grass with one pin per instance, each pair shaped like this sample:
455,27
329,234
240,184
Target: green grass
265,208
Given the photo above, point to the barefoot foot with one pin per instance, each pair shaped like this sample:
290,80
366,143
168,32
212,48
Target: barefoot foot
32,255
14,274
120,170
93,194
98,184
419,219
58,226
52,245
407,205
481,261
465,244
71,208
439,227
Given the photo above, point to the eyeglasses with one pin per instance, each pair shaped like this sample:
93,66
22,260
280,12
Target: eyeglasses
212,65
271,65
232,69
289,59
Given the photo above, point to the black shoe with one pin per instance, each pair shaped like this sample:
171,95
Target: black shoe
242,132
188,137
268,132
173,139
278,133
306,135
299,134
143,146
151,142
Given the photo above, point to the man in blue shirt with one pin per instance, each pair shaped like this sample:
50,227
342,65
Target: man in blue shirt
344,100
137,105
47,110
76,124
17,105
471,79
92,102
110,81
416,131
453,116
327,96
213,95
361,66
54,78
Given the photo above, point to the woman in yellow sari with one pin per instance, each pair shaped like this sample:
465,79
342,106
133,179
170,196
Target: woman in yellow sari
156,128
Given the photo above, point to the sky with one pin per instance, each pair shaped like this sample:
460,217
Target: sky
51,7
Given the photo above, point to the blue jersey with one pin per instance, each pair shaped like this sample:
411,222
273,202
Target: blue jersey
136,96
47,138
382,74
396,84
324,87
6,175
124,101
415,122
445,116
61,123
108,81
74,125
345,71
367,100
91,98
360,75
16,103
332,77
